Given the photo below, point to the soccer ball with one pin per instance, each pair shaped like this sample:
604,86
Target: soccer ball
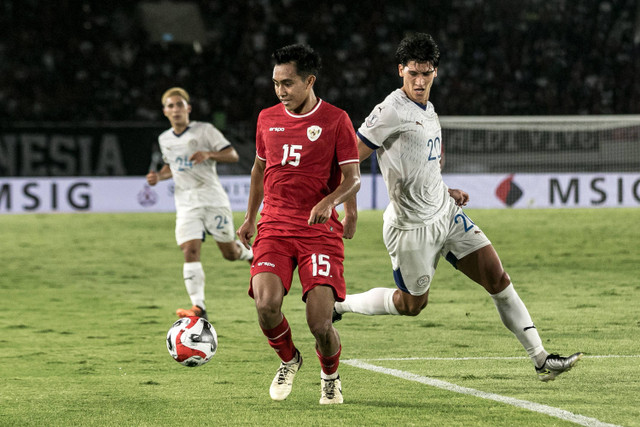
192,341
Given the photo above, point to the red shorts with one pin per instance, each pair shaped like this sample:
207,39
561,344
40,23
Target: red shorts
319,261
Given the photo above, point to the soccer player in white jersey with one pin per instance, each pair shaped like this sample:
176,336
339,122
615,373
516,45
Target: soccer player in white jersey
190,151
424,219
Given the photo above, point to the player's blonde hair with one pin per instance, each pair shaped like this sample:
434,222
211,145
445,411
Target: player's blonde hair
175,91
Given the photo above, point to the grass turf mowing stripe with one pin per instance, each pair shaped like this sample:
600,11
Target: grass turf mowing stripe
531,406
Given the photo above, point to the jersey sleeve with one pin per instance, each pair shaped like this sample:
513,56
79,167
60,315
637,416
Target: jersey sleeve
215,138
381,123
165,159
347,146
260,150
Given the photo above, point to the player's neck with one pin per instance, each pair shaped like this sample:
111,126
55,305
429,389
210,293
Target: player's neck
422,102
179,128
308,105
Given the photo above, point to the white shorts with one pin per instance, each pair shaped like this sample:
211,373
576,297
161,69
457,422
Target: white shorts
415,253
194,223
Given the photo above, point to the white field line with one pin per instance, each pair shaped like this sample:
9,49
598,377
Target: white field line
531,406
603,356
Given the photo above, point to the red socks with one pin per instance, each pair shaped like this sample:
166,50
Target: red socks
281,341
329,364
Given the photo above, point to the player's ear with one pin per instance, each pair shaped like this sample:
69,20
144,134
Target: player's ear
311,80
435,72
400,68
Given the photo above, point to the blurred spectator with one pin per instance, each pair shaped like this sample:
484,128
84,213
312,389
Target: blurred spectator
92,61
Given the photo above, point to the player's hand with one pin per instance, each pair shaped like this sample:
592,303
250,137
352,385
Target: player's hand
320,213
199,157
152,178
460,197
245,233
349,226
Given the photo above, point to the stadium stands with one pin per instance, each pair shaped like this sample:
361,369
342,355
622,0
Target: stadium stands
77,61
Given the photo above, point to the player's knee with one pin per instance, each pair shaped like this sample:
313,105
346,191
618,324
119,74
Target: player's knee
191,255
412,308
230,255
321,330
411,311
231,251
410,305
267,310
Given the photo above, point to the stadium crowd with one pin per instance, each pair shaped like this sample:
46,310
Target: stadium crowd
94,61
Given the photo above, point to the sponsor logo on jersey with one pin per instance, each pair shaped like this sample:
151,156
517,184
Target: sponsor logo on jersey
423,281
266,263
276,129
313,132
193,144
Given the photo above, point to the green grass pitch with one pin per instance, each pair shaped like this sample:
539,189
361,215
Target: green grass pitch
86,301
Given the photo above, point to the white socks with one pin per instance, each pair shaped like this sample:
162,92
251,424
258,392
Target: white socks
512,311
372,302
193,274
245,254
328,377
516,318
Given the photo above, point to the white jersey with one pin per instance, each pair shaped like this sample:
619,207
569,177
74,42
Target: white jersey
408,140
195,185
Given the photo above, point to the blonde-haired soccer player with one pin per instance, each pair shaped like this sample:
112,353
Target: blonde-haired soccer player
190,151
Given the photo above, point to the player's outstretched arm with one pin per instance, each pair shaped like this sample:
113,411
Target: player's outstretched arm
228,155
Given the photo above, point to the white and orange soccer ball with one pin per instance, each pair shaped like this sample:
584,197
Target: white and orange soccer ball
192,341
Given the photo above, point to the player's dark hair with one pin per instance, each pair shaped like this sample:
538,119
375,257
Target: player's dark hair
419,47
307,60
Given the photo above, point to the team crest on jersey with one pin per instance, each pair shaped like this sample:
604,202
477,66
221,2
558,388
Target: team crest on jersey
313,132
193,144
371,120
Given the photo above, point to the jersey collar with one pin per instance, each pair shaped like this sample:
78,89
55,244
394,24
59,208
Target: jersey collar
298,116
423,107
181,133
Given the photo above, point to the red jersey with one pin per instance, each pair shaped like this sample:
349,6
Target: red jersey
303,154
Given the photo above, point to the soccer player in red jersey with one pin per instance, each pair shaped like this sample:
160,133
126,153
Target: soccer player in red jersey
306,164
